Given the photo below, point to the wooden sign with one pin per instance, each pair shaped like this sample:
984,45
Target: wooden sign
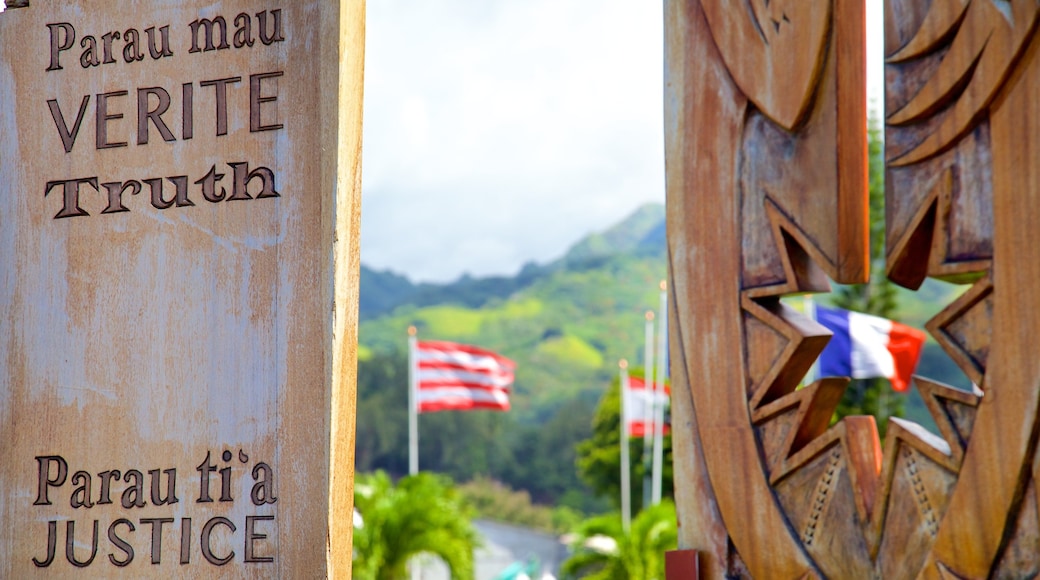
766,192
963,198
178,287
765,123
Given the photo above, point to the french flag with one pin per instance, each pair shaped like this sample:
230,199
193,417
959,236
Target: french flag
865,346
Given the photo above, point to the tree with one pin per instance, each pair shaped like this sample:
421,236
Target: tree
535,456
599,457
422,514
877,296
636,555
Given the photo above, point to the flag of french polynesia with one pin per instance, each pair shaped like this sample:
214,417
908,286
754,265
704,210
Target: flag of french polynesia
638,406
461,377
865,346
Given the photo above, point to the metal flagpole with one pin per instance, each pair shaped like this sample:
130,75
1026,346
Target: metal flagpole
414,565
662,358
626,468
648,411
413,404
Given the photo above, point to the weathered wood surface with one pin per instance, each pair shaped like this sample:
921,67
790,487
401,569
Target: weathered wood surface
766,193
178,326
962,146
759,174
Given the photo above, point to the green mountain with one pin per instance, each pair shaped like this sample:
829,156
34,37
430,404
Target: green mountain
566,324
642,234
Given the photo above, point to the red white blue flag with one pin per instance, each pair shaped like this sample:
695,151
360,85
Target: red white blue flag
865,346
460,377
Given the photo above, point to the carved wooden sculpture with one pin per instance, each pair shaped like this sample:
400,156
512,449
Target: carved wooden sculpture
766,165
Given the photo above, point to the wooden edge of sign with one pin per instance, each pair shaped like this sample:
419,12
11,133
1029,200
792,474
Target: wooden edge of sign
342,86
853,259
681,565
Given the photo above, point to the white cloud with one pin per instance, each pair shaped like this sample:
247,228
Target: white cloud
501,132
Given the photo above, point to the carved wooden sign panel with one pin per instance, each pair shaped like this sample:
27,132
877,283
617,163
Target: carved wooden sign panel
765,147
178,287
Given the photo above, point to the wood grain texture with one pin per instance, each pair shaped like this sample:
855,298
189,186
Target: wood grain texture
766,196
757,211
704,237
195,310
961,143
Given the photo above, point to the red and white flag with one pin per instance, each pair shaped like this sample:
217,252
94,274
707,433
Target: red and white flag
638,399
460,377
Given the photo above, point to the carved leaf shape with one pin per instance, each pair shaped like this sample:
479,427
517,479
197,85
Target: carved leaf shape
774,50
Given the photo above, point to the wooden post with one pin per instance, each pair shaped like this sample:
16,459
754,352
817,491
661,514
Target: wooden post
764,119
681,565
180,186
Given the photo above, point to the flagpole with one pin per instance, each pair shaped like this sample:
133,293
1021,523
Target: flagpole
413,407
626,469
414,564
662,357
648,412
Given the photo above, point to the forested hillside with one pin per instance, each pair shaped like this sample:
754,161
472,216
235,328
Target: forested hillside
566,324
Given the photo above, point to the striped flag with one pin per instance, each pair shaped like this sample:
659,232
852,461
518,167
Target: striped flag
638,398
865,346
460,377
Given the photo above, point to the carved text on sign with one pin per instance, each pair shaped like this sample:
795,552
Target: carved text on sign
206,34
136,115
117,536
210,187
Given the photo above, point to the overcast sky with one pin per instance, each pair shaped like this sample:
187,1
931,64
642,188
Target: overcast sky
501,131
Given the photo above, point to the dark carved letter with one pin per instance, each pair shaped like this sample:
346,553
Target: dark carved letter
155,115
252,536
103,118
242,178
220,90
120,543
263,489
186,541
81,495
209,191
209,25
70,545
70,208
157,52
207,549
244,32
89,57
205,468
115,192
132,50
171,486
276,33
133,496
156,536
256,99
68,138
58,46
44,480
52,542
106,478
